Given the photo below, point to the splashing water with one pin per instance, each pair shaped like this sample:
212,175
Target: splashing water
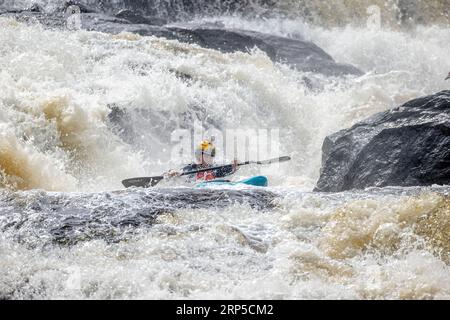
80,111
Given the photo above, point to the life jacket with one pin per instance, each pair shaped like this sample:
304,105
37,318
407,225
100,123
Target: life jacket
206,175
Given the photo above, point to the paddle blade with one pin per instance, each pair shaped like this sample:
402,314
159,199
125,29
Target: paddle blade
275,160
143,182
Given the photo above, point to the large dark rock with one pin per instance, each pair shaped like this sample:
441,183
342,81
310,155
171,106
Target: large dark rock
302,55
405,146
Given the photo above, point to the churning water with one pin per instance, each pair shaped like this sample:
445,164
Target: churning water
68,229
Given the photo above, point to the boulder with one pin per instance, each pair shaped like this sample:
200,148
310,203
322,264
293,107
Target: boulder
300,54
406,146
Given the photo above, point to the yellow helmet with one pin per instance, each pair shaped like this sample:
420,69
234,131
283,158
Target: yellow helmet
205,152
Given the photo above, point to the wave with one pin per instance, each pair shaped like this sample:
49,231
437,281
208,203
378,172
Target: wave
102,107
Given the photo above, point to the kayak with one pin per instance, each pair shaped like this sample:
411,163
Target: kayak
257,181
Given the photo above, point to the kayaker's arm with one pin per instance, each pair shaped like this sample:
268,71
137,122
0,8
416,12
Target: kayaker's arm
176,173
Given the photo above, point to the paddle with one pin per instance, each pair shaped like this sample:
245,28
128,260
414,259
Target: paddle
153,181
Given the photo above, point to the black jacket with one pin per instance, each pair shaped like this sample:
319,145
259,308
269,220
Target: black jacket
218,173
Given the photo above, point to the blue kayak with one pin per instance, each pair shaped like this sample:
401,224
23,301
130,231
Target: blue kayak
258,181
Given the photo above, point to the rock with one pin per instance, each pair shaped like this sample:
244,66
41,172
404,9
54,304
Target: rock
302,55
70,218
405,146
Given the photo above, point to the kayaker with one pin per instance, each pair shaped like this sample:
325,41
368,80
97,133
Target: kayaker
448,77
205,153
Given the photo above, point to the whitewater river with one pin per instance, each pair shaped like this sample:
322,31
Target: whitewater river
68,228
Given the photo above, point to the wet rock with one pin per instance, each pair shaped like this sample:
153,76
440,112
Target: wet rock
39,218
405,146
300,54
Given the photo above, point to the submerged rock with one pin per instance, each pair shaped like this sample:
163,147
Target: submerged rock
405,146
38,218
83,7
